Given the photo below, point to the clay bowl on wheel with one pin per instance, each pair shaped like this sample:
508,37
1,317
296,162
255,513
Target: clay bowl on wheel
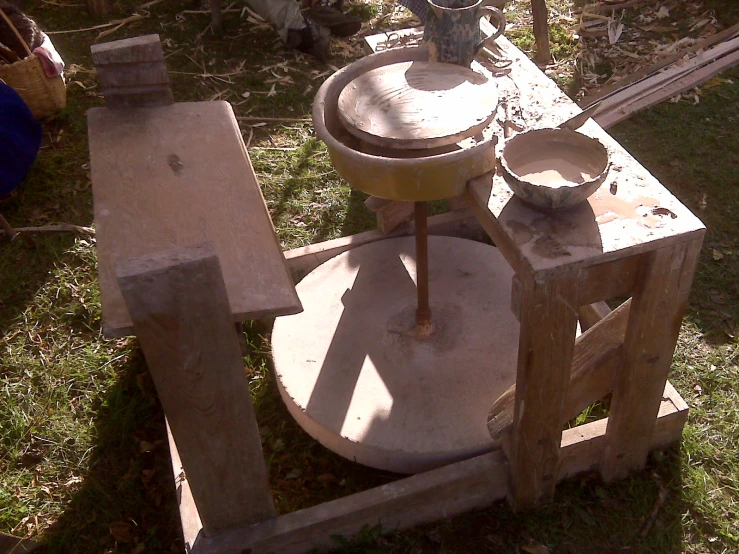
554,168
395,173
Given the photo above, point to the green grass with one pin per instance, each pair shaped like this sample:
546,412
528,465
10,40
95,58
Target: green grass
83,457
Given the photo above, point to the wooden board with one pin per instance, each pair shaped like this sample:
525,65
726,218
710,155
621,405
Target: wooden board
630,213
667,84
414,105
429,496
609,90
181,314
179,175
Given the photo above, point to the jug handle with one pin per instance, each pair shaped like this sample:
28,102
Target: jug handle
488,8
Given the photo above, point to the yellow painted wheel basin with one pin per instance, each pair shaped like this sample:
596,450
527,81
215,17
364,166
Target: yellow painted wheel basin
396,174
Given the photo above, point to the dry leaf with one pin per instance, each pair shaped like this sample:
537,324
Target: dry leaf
615,29
246,94
663,12
717,255
271,92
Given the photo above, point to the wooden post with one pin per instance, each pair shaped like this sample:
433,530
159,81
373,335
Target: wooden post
98,8
180,311
132,72
216,20
657,309
546,344
541,31
390,213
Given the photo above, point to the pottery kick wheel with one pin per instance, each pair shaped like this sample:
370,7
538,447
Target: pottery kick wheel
403,344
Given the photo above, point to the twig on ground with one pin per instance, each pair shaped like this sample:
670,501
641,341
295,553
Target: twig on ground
257,119
117,23
6,228
57,228
661,497
591,8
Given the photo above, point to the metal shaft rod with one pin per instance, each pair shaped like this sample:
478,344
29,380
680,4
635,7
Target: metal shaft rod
423,311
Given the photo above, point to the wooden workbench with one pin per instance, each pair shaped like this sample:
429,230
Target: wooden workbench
632,238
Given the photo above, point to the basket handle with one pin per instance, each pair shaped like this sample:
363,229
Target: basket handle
17,34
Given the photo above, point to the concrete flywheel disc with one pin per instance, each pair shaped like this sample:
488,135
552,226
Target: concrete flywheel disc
357,379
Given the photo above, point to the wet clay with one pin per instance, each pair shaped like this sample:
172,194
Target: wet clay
555,165
608,207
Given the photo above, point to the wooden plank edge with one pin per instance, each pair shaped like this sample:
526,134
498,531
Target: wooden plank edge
643,74
15,545
303,260
477,195
437,494
189,516
696,77
117,330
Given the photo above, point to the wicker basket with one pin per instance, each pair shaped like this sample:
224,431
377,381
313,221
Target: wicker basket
43,95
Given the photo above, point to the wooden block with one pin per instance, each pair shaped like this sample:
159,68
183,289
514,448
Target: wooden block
98,8
457,203
175,176
436,494
180,310
133,75
146,48
132,72
138,97
609,280
595,361
590,314
546,345
656,315
390,213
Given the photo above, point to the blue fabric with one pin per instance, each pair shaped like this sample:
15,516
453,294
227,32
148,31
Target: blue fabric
20,139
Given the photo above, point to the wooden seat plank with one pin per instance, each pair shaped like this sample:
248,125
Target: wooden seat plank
180,175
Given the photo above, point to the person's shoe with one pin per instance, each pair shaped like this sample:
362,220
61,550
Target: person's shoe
312,39
339,24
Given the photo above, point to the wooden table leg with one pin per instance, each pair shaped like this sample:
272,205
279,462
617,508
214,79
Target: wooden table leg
541,31
180,311
546,344
657,309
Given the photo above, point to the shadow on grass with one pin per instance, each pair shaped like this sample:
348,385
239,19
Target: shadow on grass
126,502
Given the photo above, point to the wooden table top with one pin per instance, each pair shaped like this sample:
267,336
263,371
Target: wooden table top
630,213
180,175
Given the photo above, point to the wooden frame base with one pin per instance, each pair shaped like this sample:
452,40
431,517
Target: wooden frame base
441,493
